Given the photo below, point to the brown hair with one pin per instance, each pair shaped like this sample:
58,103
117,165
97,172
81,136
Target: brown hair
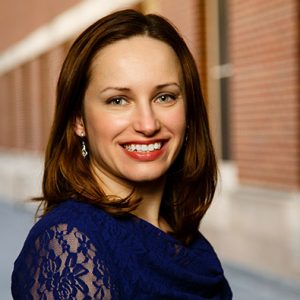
191,180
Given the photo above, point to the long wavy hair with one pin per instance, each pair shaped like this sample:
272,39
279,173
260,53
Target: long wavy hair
190,181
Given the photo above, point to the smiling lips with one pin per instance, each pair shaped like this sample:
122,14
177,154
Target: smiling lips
144,152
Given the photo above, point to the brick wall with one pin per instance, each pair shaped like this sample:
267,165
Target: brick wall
265,109
18,18
27,96
27,91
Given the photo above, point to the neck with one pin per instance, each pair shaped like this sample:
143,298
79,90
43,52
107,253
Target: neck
151,193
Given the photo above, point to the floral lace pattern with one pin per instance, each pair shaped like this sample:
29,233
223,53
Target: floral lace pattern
64,265
77,251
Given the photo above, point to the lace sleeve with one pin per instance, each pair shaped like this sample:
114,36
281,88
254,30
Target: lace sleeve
63,264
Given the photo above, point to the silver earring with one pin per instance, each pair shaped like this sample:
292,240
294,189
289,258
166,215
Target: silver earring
84,152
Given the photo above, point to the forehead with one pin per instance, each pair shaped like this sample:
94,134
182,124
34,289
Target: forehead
140,43
136,55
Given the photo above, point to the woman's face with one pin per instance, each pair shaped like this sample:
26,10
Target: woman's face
134,111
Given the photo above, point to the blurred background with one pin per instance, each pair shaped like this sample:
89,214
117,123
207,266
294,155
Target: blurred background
248,56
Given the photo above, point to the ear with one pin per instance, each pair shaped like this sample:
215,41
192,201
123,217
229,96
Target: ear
79,127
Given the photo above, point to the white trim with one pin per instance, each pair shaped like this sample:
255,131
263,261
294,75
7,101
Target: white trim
221,71
62,28
21,175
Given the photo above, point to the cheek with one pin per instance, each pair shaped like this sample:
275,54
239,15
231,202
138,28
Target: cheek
104,125
177,123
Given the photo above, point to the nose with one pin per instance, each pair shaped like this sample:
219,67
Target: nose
146,121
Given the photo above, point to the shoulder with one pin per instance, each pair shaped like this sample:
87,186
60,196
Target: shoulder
72,210
64,248
73,214
202,244
71,221
205,253
71,227
207,259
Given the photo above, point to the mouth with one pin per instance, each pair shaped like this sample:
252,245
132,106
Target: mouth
144,148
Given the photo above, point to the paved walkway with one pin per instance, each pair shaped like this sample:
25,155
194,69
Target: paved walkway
16,220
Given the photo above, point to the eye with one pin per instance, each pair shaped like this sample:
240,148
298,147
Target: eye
117,101
165,98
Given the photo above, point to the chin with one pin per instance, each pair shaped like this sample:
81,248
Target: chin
149,177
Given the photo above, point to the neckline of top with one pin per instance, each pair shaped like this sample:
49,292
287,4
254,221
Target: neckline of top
154,229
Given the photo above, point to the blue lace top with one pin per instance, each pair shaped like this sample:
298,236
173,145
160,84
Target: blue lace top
78,251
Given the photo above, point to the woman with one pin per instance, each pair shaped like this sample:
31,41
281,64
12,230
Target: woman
129,173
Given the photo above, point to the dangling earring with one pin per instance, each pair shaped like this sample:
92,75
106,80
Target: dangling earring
84,152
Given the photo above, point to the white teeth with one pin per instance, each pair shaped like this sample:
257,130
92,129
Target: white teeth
143,147
157,146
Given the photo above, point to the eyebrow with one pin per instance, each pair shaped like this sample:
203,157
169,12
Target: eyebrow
161,86
125,89
115,88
